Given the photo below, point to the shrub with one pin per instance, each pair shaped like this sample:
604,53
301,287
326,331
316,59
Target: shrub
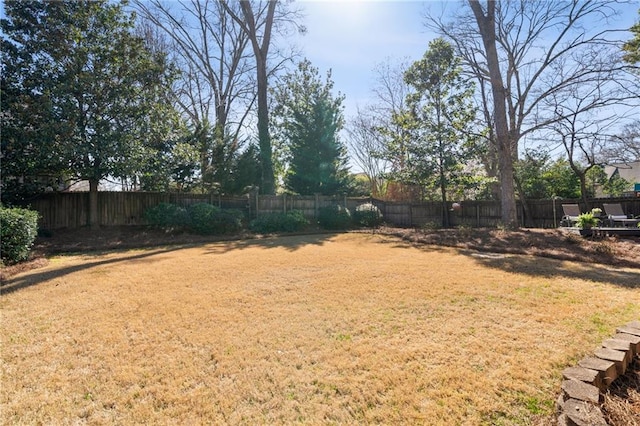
207,219
18,231
367,215
167,216
334,217
278,222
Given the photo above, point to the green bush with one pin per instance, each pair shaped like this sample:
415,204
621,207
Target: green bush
278,222
368,215
167,216
18,231
334,217
207,219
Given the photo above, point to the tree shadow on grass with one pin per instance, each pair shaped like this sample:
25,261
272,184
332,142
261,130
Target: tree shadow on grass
288,242
549,268
539,266
30,279
510,257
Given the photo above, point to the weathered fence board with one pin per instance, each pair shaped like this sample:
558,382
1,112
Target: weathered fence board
70,209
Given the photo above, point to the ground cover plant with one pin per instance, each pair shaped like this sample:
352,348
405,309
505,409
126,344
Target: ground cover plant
351,328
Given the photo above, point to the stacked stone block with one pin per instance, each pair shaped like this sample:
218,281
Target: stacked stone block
584,384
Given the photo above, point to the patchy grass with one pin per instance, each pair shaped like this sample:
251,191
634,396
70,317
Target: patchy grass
351,328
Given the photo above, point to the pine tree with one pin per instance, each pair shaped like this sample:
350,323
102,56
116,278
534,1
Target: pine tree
309,119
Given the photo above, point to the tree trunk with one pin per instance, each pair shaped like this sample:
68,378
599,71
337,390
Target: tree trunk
583,189
268,178
261,51
446,223
487,27
94,223
525,203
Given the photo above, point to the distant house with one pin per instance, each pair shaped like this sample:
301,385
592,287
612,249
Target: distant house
627,171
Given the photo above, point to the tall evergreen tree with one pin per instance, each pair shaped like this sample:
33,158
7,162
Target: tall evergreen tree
81,90
308,120
632,47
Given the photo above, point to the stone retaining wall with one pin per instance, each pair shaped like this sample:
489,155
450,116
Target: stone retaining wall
583,385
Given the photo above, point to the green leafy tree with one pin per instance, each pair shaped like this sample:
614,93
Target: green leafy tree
616,186
595,177
529,171
561,180
541,178
632,47
90,94
436,127
308,120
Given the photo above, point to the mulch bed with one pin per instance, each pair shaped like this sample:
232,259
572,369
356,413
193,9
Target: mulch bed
550,243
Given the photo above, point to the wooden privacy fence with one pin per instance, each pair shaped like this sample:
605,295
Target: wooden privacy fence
70,209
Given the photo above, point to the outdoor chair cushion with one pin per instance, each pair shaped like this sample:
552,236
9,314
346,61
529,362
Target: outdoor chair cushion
618,216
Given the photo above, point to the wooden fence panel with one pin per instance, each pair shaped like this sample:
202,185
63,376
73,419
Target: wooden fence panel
270,204
70,210
61,210
305,204
398,214
481,213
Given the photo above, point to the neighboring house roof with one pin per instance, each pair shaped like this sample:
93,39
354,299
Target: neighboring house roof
82,186
627,171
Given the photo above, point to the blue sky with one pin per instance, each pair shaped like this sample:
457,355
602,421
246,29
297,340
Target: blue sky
352,36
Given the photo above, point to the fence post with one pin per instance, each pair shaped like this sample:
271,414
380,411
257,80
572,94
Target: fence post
257,204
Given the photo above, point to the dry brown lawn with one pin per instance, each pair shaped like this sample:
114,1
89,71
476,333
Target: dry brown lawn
320,329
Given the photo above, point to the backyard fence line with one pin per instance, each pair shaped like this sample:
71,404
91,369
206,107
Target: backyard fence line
71,209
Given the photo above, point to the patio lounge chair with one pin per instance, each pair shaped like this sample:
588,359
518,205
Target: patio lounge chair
571,213
616,216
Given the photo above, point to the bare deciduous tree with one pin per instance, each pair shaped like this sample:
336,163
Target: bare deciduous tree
259,20
370,130
212,52
216,89
530,53
624,145
366,144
